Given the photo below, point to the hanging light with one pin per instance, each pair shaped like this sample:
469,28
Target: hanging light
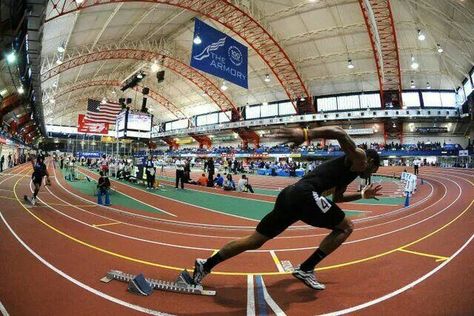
414,65
104,101
421,36
267,78
11,58
61,48
79,1
349,64
440,49
302,98
59,61
264,103
394,125
52,101
140,75
412,84
224,87
428,86
155,67
197,40
21,90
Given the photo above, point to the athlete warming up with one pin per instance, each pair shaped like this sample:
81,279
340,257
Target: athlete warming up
305,201
39,171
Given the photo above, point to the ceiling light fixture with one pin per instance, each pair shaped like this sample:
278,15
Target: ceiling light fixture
155,67
104,101
302,99
412,84
265,103
11,58
52,101
421,36
349,64
440,49
267,78
414,65
59,61
224,87
428,86
61,48
21,90
197,40
79,1
140,75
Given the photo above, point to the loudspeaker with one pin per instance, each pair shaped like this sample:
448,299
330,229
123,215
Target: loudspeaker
160,76
145,90
129,100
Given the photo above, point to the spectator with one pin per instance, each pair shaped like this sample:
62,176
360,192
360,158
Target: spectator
210,168
243,185
219,180
187,171
103,186
104,165
203,180
229,184
2,161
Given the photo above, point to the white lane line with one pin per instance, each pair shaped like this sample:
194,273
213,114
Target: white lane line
3,310
149,205
250,296
273,305
277,261
403,289
77,282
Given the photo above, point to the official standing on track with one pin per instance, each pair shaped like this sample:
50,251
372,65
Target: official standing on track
416,166
305,201
179,163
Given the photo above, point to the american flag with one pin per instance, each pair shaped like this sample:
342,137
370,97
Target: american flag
98,112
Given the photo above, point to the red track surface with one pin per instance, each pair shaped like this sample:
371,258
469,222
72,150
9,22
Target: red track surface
373,263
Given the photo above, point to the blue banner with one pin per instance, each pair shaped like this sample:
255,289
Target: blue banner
219,55
91,154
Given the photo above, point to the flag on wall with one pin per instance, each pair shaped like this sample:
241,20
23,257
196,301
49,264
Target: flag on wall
98,112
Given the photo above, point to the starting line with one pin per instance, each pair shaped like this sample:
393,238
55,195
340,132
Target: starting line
181,285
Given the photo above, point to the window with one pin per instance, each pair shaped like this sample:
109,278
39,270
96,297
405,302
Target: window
269,110
180,124
327,104
411,99
370,101
252,112
467,88
286,108
448,99
349,102
431,99
224,116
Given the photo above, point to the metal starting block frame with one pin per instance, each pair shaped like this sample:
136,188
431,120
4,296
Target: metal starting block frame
181,285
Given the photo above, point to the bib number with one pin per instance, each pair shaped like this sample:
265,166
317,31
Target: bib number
321,202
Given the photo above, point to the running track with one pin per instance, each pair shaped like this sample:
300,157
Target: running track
413,261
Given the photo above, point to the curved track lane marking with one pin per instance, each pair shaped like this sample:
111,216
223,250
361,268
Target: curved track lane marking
3,310
258,250
233,273
77,282
403,289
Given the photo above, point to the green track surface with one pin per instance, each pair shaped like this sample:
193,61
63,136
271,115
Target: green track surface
116,198
251,209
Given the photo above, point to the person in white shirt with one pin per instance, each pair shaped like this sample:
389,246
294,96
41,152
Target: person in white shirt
416,165
243,185
179,172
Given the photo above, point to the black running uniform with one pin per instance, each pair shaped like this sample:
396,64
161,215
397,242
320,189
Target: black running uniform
39,171
304,200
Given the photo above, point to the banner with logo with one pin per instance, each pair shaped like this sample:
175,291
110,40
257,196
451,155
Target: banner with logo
85,126
219,55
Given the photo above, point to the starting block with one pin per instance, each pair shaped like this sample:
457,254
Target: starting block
183,283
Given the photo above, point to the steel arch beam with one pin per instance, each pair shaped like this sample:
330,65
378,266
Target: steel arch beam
232,17
115,83
204,83
383,38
